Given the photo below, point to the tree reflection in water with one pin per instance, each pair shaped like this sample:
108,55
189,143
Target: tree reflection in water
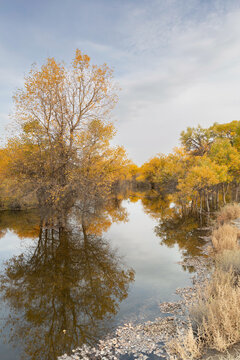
64,290
185,233
174,229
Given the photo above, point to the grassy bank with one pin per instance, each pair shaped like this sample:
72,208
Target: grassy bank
214,314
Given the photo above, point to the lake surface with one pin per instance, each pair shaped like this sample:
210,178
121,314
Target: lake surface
72,282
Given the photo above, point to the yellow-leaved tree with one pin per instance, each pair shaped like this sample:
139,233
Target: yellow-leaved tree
63,146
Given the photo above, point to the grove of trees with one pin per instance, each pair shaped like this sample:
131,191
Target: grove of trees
203,173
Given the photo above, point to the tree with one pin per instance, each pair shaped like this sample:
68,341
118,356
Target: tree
200,181
201,174
197,141
164,171
230,131
224,153
98,165
60,111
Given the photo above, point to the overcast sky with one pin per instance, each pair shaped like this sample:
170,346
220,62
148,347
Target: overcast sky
176,61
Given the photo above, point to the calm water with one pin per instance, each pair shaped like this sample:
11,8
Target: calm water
94,271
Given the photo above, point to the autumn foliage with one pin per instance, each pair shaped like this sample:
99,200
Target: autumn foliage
63,148
204,173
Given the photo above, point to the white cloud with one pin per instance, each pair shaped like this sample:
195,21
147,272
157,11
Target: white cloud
193,78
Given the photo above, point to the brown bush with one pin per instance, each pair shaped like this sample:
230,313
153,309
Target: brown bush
228,213
225,238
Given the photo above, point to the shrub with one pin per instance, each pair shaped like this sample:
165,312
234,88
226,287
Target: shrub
228,213
225,238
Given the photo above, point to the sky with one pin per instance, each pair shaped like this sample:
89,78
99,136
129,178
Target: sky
177,62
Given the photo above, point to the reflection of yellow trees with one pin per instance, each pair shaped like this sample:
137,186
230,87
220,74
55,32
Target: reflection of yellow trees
184,232
101,222
98,216
23,223
156,206
173,229
3,233
63,292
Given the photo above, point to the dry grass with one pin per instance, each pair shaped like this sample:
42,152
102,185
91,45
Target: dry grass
225,238
217,313
229,260
227,356
185,347
215,318
228,213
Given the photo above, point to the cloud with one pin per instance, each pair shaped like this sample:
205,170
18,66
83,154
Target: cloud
192,79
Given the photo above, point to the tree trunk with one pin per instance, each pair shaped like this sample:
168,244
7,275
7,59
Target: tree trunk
224,194
236,193
217,198
207,203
